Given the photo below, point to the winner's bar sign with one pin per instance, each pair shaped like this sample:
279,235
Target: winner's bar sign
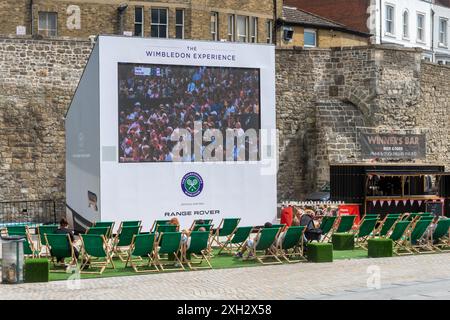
393,146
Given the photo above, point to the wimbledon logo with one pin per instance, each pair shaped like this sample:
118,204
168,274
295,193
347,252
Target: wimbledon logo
192,184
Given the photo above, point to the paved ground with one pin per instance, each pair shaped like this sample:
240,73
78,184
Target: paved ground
410,277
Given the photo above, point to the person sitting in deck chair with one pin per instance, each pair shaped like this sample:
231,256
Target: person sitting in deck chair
64,229
250,243
280,238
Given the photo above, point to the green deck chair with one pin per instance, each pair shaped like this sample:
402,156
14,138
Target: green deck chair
200,221
129,223
207,227
17,230
345,224
398,237
416,241
157,223
95,253
292,244
45,229
440,237
122,241
29,249
166,228
236,240
198,247
142,246
99,230
60,247
105,224
265,242
326,226
226,228
365,230
169,243
386,225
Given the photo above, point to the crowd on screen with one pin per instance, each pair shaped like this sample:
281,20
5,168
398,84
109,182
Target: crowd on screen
156,102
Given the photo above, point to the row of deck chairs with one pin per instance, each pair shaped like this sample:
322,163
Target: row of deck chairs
409,232
161,247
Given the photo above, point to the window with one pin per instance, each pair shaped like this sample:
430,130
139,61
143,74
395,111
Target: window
420,27
390,19
242,28
214,26
47,25
254,29
406,24
159,23
269,31
179,24
443,27
231,28
139,21
310,38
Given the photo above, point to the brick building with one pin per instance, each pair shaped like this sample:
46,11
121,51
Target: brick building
421,24
231,20
299,28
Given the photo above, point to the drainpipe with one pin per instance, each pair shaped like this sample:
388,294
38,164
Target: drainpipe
432,36
275,19
121,9
381,22
32,17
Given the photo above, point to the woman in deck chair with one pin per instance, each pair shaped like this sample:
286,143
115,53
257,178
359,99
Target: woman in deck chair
250,243
280,238
64,229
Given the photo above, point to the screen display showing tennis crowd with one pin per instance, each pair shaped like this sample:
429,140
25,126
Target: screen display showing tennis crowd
173,113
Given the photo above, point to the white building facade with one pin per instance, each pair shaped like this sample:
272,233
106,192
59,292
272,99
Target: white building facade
412,23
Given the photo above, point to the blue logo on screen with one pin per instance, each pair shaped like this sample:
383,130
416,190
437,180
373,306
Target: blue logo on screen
192,184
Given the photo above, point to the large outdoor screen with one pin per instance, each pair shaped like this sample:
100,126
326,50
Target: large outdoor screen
171,113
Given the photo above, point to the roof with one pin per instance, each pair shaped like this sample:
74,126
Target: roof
292,15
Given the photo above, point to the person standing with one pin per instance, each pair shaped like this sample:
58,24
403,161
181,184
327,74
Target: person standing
287,215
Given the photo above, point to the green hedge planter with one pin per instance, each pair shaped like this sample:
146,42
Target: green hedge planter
36,270
343,241
320,252
380,248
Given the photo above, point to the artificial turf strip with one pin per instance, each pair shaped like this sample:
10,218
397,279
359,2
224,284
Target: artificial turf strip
223,261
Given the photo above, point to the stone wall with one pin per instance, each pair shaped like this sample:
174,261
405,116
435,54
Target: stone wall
325,99
36,86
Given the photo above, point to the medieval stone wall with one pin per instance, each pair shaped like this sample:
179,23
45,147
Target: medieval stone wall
325,99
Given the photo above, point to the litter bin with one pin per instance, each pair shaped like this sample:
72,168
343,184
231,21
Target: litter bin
12,259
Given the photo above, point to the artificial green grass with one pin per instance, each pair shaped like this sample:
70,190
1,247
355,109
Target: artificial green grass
222,261
36,270
319,252
343,241
380,248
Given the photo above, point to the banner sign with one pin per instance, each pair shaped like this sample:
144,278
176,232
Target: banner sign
393,146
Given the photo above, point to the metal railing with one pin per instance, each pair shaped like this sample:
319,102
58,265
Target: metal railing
32,211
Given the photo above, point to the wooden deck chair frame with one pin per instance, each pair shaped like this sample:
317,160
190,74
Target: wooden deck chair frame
422,244
361,242
202,255
327,235
443,241
73,261
230,246
216,235
151,257
402,242
35,253
296,251
109,224
122,251
270,252
93,261
206,221
177,255
42,244
380,227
